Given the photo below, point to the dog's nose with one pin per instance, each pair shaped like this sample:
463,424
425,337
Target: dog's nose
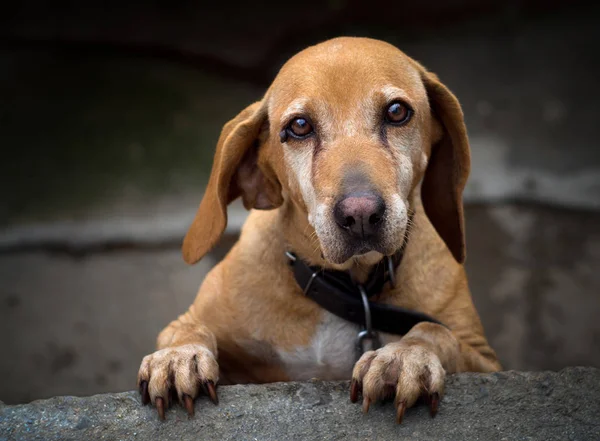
360,213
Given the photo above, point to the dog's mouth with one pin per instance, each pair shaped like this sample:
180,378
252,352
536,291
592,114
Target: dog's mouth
365,248
340,248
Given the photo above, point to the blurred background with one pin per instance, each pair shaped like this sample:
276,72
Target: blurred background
109,114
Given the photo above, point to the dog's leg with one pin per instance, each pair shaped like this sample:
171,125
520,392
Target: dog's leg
185,362
413,367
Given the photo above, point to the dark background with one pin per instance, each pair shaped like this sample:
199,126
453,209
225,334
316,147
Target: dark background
109,113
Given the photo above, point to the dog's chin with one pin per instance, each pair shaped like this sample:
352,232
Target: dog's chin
343,250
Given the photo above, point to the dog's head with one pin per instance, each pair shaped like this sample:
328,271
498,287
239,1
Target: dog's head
345,133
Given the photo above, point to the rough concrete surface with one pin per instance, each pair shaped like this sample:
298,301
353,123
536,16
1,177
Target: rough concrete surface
501,406
533,274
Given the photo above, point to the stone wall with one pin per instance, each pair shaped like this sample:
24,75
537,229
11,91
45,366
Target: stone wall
504,406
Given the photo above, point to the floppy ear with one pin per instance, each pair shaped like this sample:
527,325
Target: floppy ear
236,172
448,168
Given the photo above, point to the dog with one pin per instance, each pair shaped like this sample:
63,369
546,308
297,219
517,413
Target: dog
355,153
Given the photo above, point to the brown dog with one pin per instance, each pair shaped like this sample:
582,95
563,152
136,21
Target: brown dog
352,140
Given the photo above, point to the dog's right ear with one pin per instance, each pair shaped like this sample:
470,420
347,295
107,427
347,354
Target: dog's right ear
236,172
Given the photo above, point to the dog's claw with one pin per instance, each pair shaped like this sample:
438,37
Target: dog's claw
189,404
400,411
434,404
160,407
144,392
354,389
212,392
366,404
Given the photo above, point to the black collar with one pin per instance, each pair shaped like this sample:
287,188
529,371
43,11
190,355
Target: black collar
336,292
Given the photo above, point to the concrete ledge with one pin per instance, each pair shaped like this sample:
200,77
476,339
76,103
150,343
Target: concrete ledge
509,405
160,224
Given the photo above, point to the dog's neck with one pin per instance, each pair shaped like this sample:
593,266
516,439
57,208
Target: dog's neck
301,238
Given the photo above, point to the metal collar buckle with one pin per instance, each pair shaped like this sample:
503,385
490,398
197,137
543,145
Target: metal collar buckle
367,339
292,258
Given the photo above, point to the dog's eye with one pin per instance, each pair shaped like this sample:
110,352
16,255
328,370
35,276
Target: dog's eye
398,113
300,128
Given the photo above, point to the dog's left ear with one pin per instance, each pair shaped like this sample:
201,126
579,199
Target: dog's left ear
238,170
448,168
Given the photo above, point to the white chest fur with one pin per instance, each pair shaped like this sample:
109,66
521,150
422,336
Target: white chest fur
330,355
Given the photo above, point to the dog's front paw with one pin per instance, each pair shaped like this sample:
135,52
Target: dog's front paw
178,373
405,372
